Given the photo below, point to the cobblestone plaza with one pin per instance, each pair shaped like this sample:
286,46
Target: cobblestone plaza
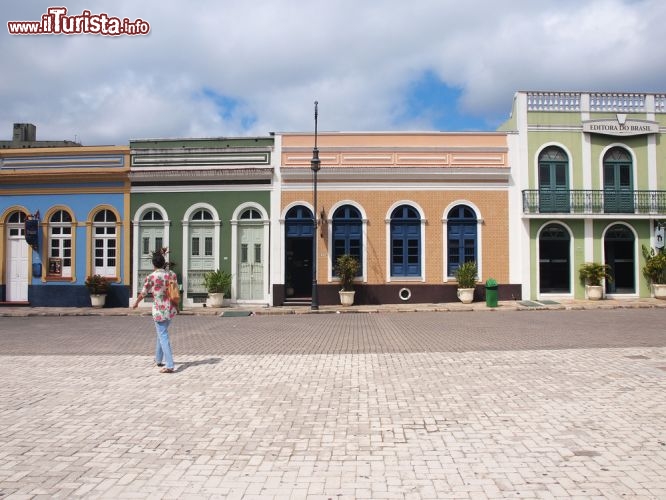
515,404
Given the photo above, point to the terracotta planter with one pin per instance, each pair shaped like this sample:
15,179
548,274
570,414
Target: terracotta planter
215,299
97,300
346,298
466,295
594,292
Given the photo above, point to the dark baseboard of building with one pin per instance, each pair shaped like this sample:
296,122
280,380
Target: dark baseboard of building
74,296
416,293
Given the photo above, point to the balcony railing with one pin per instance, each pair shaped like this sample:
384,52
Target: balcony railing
605,201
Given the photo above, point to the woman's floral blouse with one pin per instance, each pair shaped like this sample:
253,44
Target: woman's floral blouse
155,283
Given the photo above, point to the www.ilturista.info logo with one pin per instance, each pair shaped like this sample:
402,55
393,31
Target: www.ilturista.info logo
57,22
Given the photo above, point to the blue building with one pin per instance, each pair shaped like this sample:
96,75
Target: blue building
63,217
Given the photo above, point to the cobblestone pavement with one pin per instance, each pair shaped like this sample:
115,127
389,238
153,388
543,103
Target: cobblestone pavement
523,404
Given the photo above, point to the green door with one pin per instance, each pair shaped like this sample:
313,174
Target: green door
618,182
553,181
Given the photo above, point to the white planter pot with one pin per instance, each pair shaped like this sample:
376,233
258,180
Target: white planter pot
346,298
466,295
97,300
659,291
594,292
215,299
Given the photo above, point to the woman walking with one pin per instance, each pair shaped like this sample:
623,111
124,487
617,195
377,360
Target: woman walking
163,309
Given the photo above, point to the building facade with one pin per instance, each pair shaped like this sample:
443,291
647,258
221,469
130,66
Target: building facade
209,202
63,217
410,206
590,186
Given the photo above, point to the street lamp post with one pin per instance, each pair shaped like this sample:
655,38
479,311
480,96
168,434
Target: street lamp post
315,165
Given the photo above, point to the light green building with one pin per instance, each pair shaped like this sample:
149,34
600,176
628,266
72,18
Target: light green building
589,172
209,202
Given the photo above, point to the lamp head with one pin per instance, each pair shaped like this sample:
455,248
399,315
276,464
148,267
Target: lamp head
315,163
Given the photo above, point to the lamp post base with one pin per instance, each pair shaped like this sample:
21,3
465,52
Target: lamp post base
315,300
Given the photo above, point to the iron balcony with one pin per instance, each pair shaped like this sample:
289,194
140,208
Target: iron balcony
590,202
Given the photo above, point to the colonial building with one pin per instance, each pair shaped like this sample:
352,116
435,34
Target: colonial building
410,206
63,217
209,202
590,174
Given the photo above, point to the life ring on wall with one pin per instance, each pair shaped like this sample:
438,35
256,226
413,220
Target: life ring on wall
405,294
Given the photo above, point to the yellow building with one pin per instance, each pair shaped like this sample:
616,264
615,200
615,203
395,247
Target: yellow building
410,206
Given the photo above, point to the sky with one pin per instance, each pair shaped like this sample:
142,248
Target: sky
229,68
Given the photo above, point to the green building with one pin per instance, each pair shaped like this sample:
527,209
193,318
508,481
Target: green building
589,172
209,202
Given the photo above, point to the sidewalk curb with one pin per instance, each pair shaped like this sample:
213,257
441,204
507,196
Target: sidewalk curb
569,305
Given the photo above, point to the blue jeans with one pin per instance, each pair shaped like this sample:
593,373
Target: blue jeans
163,347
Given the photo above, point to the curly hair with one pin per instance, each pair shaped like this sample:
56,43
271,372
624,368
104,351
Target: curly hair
158,260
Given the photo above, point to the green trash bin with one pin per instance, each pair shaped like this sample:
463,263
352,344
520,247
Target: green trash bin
491,293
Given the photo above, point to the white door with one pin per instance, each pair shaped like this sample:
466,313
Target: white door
250,263
201,258
152,238
17,268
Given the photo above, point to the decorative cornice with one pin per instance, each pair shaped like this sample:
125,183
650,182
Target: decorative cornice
229,173
372,174
63,162
182,157
399,158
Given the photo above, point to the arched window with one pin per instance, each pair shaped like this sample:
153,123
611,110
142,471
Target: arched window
348,235
16,223
60,244
618,181
201,215
105,243
554,259
299,222
553,180
461,237
405,242
151,215
250,213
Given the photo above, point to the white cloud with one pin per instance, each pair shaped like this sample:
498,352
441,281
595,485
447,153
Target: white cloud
272,59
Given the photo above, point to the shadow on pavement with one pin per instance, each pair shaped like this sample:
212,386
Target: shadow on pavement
187,364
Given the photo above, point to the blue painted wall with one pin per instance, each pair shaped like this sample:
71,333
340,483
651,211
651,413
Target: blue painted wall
73,294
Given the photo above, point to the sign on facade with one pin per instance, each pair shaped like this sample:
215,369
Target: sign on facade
621,127
31,232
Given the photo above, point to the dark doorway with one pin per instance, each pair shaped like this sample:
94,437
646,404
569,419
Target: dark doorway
620,256
554,260
299,233
299,268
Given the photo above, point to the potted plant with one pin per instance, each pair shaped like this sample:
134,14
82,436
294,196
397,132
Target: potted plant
217,283
592,274
347,268
654,271
98,287
466,277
